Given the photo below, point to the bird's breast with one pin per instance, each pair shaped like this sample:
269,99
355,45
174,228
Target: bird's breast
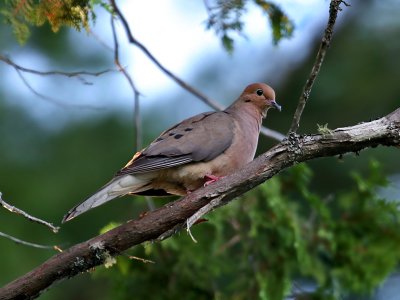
189,177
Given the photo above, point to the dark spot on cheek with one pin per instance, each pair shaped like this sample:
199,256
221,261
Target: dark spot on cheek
188,129
247,100
178,136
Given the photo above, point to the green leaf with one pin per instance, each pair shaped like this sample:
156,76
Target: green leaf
282,26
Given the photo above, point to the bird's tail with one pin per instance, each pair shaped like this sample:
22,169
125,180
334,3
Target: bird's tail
117,187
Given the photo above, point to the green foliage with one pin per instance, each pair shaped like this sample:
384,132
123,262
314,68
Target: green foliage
21,14
277,234
282,26
225,17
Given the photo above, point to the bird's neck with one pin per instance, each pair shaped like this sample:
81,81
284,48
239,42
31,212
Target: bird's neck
246,114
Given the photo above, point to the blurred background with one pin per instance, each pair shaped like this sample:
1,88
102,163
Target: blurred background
56,151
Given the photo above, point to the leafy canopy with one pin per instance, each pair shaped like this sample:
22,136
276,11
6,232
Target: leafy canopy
21,14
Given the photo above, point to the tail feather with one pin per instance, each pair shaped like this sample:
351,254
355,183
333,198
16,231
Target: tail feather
117,187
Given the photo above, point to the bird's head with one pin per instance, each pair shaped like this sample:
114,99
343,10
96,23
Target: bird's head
261,96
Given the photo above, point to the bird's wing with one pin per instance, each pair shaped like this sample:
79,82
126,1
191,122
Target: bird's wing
200,138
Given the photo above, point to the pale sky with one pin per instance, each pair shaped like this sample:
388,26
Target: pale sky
176,44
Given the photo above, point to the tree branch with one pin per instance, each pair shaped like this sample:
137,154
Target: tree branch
51,99
18,211
136,94
265,131
295,149
334,8
78,74
29,244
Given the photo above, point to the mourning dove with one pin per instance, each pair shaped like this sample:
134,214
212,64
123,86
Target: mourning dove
197,151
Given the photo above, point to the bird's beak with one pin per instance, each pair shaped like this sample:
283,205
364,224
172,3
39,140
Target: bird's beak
274,104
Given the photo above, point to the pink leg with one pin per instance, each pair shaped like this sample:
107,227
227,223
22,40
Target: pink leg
210,179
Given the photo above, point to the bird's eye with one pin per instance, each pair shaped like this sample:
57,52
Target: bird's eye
259,92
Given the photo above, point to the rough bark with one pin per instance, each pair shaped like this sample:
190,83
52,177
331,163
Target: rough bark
294,149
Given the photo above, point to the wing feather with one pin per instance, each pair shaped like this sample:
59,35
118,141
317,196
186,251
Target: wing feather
200,138
149,164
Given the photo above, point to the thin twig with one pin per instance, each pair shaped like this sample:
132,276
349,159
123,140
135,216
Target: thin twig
142,47
18,211
202,211
325,43
272,133
146,261
25,243
46,73
99,40
190,232
136,94
267,132
53,100
79,75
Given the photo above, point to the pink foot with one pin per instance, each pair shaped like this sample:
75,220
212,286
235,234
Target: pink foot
210,179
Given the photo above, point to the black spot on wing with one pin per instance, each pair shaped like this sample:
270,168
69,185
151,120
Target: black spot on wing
178,136
188,129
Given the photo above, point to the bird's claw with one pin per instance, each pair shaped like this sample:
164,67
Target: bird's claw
211,179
